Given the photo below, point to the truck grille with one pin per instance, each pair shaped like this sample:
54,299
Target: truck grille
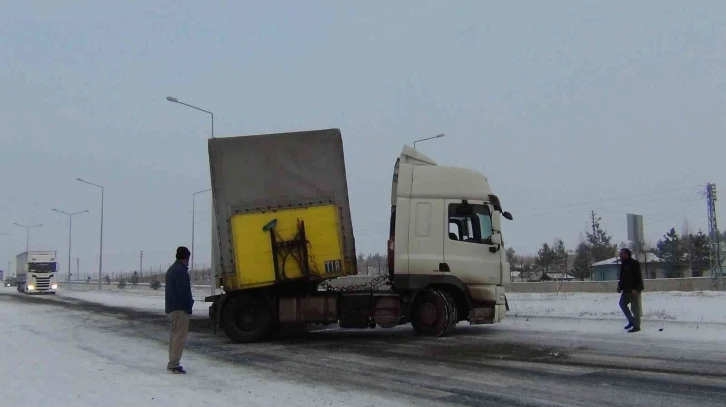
42,283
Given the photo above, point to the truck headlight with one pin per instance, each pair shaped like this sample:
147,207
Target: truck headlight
54,287
31,287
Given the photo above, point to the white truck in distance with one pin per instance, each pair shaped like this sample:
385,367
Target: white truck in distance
36,272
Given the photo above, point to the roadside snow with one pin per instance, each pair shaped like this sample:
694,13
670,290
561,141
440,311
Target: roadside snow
68,358
698,306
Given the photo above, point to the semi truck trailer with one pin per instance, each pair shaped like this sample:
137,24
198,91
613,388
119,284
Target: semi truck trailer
282,231
36,272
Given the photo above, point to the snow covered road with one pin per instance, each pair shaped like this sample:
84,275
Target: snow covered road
100,353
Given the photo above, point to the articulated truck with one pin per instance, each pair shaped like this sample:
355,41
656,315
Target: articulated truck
282,233
36,272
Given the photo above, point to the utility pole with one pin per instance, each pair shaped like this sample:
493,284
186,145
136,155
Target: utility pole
78,268
715,244
141,261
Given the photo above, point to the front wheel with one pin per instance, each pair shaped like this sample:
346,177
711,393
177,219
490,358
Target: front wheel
433,313
246,319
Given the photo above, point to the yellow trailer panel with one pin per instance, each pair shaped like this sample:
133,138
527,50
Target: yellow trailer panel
254,257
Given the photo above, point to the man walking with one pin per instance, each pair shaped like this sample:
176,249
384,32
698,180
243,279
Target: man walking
630,286
178,307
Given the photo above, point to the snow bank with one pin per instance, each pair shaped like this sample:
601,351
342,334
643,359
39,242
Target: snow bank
698,306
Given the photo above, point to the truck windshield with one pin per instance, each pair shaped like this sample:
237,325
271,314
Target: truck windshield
41,267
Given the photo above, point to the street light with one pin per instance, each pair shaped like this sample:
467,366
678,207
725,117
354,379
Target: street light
175,100
172,99
70,231
428,138
100,251
27,233
194,195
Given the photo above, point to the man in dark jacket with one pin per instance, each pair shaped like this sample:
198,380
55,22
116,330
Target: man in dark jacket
178,307
630,286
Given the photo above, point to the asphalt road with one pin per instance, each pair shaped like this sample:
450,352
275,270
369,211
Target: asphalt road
501,365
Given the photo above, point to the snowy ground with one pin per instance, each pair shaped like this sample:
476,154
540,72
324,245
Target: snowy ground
697,307
75,359
91,352
700,306
699,316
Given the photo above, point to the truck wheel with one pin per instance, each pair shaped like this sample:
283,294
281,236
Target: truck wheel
431,313
246,319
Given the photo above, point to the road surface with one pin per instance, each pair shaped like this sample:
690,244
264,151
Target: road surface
518,363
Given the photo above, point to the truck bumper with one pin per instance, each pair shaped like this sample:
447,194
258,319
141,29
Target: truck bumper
489,304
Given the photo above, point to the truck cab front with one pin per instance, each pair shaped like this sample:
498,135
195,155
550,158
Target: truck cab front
446,235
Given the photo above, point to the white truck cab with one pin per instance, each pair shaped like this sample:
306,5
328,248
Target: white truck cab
445,230
36,272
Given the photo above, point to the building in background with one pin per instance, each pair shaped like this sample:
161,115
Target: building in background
609,270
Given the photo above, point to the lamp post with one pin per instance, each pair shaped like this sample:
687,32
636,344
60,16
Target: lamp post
5,234
27,233
175,100
100,250
194,195
428,138
70,231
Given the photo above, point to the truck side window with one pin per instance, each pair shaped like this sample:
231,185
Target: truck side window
474,228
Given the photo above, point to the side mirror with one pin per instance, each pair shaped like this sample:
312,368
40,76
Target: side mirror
507,215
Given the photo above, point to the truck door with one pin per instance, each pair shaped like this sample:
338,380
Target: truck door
468,244
425,248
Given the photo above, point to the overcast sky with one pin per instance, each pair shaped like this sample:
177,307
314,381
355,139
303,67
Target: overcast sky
566,106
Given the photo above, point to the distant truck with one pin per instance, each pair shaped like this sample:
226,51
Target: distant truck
282,229
36,272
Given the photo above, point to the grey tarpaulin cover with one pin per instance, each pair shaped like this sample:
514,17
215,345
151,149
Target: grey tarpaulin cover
282,170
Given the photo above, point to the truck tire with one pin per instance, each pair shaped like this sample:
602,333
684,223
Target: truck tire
246,319
431,313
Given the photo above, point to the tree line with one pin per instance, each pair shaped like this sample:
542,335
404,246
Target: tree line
677,254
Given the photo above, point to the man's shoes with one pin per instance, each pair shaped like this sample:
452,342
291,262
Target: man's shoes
176,370
628,326
634,330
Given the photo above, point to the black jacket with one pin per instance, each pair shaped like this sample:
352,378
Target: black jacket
178,289
630,276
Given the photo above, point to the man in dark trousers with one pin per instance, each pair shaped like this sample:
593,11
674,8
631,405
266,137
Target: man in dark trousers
630,288
178,307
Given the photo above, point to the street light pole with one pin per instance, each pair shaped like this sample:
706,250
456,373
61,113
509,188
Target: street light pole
194,195
100,251
428,138
27,234
70,234
175,100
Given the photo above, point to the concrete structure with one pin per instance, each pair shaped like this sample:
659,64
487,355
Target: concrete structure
661,284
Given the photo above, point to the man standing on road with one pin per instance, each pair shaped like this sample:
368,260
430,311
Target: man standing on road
178,307
630,287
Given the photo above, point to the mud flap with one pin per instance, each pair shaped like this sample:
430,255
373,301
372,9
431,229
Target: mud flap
506,303
219,305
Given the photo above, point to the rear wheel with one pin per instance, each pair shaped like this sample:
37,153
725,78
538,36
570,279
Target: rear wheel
431,313
246,319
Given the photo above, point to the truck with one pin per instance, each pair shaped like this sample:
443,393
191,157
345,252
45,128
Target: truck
36,272
283,235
